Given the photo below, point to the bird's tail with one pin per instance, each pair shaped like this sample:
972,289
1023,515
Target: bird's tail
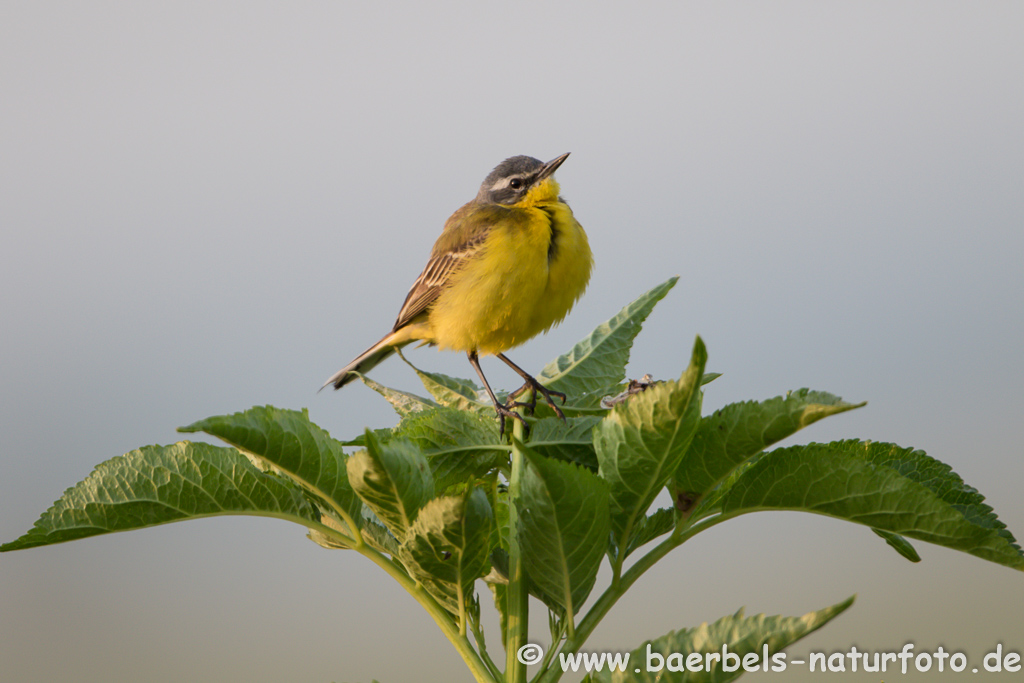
365,361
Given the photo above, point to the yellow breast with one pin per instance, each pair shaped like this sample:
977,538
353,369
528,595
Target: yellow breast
532,267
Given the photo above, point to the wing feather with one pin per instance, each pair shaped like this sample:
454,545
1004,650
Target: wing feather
435,276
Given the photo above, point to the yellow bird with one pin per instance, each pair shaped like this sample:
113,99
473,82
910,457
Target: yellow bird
508,265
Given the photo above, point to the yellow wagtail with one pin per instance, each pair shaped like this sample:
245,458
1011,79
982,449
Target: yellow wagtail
508,265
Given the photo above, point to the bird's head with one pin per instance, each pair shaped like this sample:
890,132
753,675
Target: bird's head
521,181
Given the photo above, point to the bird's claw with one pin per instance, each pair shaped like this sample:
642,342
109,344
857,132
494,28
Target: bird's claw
532,403
506,411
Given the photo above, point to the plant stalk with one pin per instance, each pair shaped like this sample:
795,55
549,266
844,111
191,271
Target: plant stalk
616,591
518,598
440,616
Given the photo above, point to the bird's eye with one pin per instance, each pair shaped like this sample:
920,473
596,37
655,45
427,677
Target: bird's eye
516,183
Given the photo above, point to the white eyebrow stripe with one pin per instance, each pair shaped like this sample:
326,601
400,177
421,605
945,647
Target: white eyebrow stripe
502,183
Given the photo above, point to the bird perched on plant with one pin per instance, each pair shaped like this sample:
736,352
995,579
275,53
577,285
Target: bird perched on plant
508,265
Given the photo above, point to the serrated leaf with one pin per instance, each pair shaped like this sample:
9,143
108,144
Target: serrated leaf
501,522
378,537
403,402
640,443
293,446
898,490
563,526
394,481
598,362
711,504
330,519
325,541
651,527
448,546
160,484
899,544
739,431
571,441
359,440
460,446
740,634
452,392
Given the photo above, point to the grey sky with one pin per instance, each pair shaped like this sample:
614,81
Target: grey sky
209,206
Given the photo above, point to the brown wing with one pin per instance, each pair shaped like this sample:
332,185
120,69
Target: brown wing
434,277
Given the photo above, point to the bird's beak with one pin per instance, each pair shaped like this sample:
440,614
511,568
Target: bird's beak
550,167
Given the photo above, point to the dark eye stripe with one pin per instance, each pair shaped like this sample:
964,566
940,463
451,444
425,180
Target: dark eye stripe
504,195
509,189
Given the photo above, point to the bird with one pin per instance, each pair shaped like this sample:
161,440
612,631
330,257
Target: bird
508,265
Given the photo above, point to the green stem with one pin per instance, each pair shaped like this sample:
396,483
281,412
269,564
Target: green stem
617,589
481,645
441,617
357,536
552,649
518,598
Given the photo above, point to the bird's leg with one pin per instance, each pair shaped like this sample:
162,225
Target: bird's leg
532,383
502,410
531,404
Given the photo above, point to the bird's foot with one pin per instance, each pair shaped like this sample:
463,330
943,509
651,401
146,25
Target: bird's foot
537,387
506,411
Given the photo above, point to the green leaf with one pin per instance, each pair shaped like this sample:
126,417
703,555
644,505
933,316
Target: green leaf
501,521
359,440
453,392
448,546
651,527
378,537
597,363
292,445
571,441
563,529
709,377
403,402
899,544
459,445
394,481
374,534
160,484
898,490
640,442
739,431
741,635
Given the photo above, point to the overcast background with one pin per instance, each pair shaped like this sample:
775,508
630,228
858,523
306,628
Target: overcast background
208,206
